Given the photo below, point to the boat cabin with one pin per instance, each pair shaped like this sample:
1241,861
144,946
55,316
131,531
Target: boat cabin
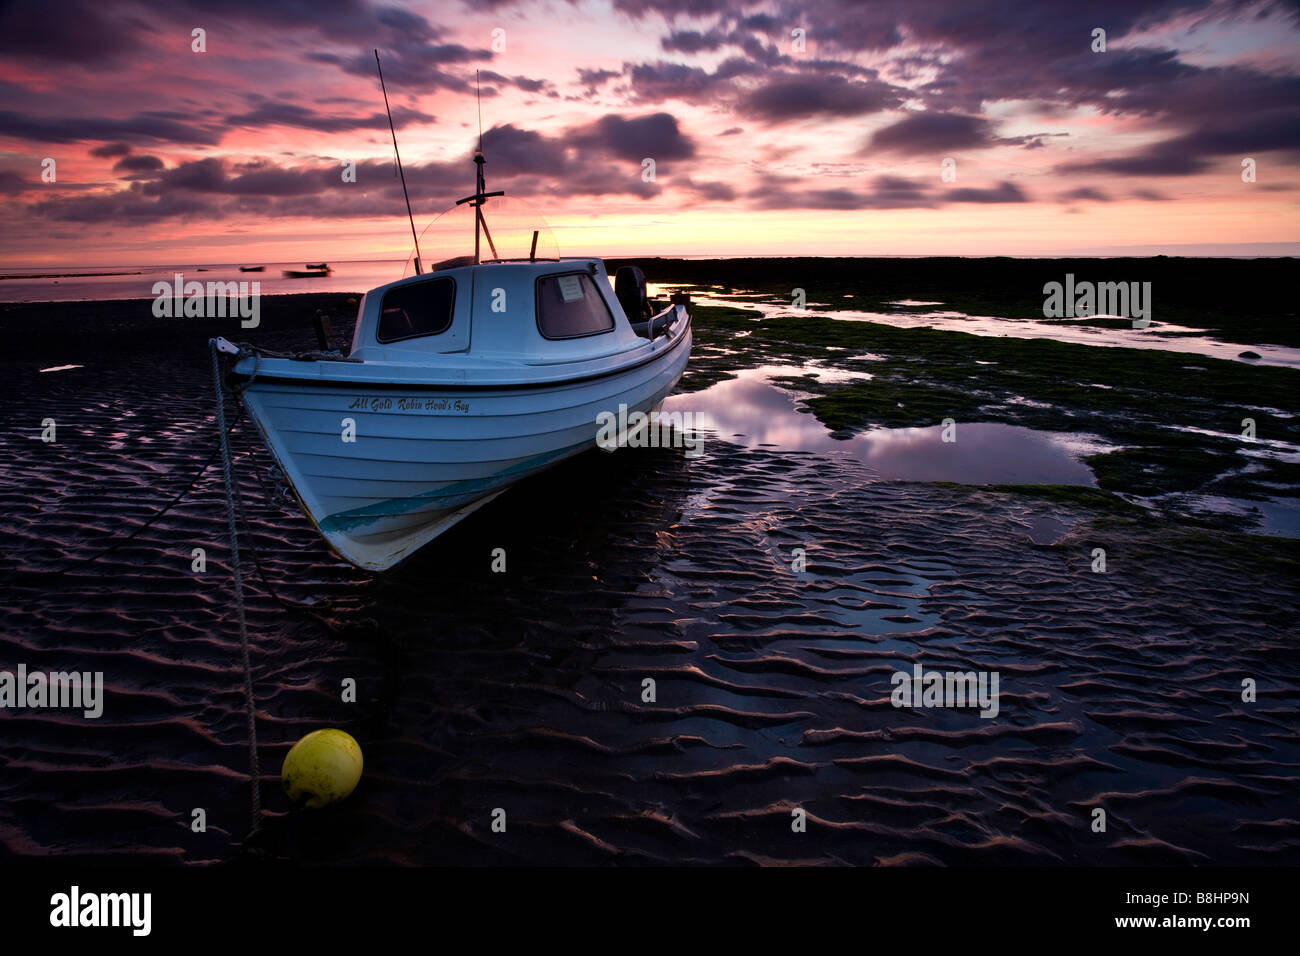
545,311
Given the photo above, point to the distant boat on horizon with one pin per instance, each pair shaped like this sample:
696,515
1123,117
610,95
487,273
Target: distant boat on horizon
311,272
252,268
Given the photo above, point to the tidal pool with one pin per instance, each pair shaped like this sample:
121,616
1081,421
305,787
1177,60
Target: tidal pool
751,410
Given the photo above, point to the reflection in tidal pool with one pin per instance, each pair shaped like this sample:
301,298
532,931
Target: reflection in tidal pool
752,410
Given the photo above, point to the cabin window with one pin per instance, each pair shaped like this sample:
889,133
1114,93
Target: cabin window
422,308
569,306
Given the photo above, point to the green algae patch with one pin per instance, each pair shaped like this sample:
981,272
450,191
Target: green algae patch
1160,469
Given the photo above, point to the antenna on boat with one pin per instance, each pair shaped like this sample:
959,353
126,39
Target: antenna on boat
393,130
480,194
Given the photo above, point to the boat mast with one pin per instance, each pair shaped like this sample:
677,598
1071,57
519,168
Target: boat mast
480,186
393,130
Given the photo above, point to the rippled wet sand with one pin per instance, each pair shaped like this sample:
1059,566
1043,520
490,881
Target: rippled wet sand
523,690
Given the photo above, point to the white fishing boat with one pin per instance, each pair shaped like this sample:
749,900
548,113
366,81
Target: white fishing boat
460,382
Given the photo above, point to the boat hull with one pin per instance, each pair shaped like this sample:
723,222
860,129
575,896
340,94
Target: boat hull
381,471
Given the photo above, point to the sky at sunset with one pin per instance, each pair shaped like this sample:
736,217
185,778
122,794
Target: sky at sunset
763,143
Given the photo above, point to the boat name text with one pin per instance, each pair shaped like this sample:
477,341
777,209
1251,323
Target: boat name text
376,403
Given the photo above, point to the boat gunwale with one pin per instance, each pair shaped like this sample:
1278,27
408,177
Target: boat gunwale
261,375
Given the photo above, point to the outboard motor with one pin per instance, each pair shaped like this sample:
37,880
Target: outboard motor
629,288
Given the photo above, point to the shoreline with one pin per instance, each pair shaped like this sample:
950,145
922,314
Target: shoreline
31,303
1240,301
68,275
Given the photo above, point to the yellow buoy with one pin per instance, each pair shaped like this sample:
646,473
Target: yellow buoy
322,768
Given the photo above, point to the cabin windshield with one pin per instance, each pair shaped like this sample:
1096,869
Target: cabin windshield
418,309
514,231
569,306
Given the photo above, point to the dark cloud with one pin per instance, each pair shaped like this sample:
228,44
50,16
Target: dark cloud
109,150
797,97
527,84
897,189
212,190
413,55
1161,162
755,48
657,82
278,113
138,164
517,151
344,20
92,33
656,136
152,126
594,78
1004,192
404,22
1264,131
1276,129
673,8
978,53
12,183
761,23
742,36
692,41
214,176
1167,87
885,192
417,69
124,207
713,191
598,180
926,132
1083,193
600,158
80,33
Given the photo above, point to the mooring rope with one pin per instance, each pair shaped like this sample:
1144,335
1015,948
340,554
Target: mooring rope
255,775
